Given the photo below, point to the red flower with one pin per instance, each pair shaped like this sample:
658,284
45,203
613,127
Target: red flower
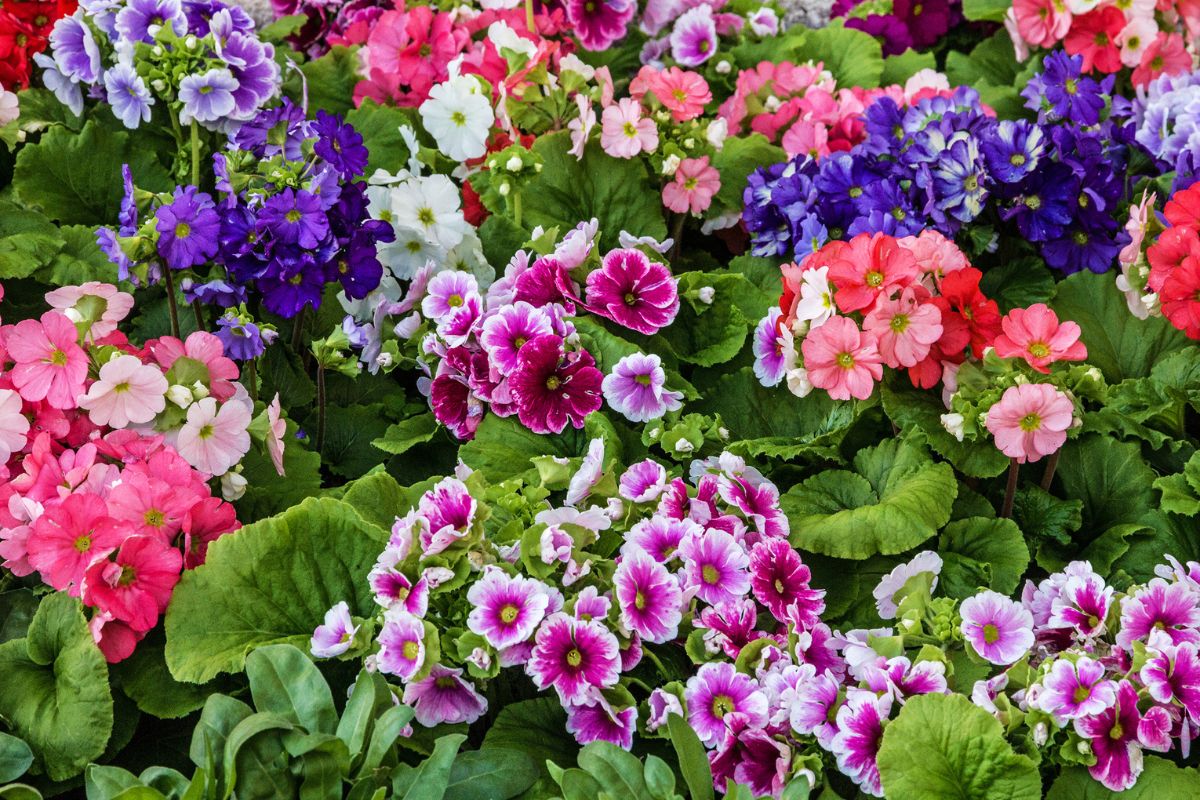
1184,207
961,290
1094,36
1169,251
136,587
1180,297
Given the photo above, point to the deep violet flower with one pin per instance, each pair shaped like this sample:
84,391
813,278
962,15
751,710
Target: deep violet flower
648,596
339,144
574,656
633,291
187,228
553,387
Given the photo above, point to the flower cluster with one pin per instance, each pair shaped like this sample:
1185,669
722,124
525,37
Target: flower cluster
901,24
342,22
1167,126
108,450
1160,268
25,31
687,33
201,60
1107,36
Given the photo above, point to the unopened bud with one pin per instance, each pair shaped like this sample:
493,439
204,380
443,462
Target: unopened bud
180,396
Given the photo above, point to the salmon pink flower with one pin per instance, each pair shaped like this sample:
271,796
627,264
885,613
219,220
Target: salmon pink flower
574,656
127,391
1035,334
624,132
50,364
1166,55
1094,36
14,426
693,188
214,439
904,328
842,360
1030,421
869,266
68,536
1043,23
683,93
136,587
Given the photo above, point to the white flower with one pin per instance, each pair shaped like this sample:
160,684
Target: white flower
233,486
893,582
670,164
180,395
505,38
459,117
716,132
9,106
953,423
430,205
816,298
574,63
706,295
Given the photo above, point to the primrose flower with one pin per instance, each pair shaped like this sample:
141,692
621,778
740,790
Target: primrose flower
506,610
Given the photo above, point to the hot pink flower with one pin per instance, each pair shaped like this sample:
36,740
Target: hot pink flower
693,188
1030,421
50,364
206,521
68,536
137,586
1042,22
625,132
683,93
905,328
444,696
1165,56
574,656
633,291
154,501
100,304
842,360
868,266
1036,335
214,440
127,391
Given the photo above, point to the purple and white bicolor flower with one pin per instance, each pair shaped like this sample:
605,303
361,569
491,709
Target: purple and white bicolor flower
336,635
998,629
506,608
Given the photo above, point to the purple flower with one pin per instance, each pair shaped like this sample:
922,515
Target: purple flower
818,647
643,482
444,697
1113,734
252,64
769,364
187,228
509,329
66,90
779,580
885,592
752,756
901,678
552,387
1000,630
75,50
860,733
135,21
401,645
648,596
242,339
295,217
449,509
814,706
1082,605
574,656
336,635
599,23
339,144
694,37
595,720
662,705
716,691
448,291
715,566
207,97
1159,610
1076,689
636,388
659,536
1173,676
590,604
128,95
506,609
633,291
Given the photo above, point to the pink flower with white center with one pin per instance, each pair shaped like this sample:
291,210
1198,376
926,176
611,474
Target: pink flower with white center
50,364
902,679
1082,606
449,510
1173,676
214,439
904,327
714,566
660,536
716,691
506,608
14,426
136,587
860,733
887,588
574,656
641,483
842,360
648,596
779,580
814,706
401,645
1113,734
624,132
1076,689
448,291
276,428
335,635
444,697
127,391
695,184
1030,421
1036,335
100,304
595,720
506,332
1160,610
998,629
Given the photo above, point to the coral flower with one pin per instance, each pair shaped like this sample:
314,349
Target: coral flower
842,360
1036,335
869,266
633,291
1166,55
693,188
1094,36
683,93
50,364
68,536
136,587
1030,421
904,328
127,391
1043,23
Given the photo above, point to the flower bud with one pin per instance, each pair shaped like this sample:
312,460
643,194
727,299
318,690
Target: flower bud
199,390
515,164
724,67
180,395
233,486
706,294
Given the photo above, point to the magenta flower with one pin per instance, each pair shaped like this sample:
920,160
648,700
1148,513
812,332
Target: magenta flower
574,656
599,23
1073,690
813,710
694,37
444,697
636,388
662,705
595,720
1113,733
660,536
506,609
401,645
643,482
1082,605
779,580
648,596
731,625
135,587
552,387
1159,610
590,604
758,499
860,732
819,648
393,588
336,635
449,510
716,691
901,678
751,756
1173,676
769,363
714,566
1000,630
448,290
633,291
509,329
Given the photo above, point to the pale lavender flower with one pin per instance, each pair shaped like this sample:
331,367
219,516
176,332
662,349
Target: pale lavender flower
207,97
769,363
444,697
998,629
636,388
335,636
128,95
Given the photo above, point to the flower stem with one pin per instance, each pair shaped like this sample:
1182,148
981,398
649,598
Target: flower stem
171,300
251,374
529,23
298,329
1014,471
199,312
677,235
516,205
1051,465
195,156
320,408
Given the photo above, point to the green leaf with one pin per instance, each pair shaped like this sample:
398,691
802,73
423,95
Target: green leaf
388,728
994,547
490,774
256,760
535,727
269,492
75,178
501,238
55,692
145,679
617,192
378,499
736,161
898,499
349,433
986,11
284,681
899,68
504,448
1120,344
693,762
1111,479
433,775
660,780
855,58
618,772
1018,283
80,260
106,783
23,253
269,583
399,438
282,28
911,408
368,700
380,129
992,62
15,758
329,81
1042,516
1160,779
221,715
945,746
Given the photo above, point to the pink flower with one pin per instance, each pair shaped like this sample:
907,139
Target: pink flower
813,709
335,635
137,586
599,23
1172,675
998,629
449,512
624,132
633,291
868,266
276,428
643,482
50,364
444,697
683,93
842,360
204,523
1036,335
714,566
780,581
68,536
573,656
553,387
101,305
206,349
581,126
1164,611
1030,421
1165,56
1043,23
750,755
595,720
860,733
127,391
214,439
905,328
718,691
693,188
1115,740
401,645
648,596
155,497
1076,689
506,609
1094,36
14,426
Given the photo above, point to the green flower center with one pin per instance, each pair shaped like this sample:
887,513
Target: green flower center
1031,422
722,704
899,323
710,575
991,633
845,360
411,650
509,613
574,657
182,230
